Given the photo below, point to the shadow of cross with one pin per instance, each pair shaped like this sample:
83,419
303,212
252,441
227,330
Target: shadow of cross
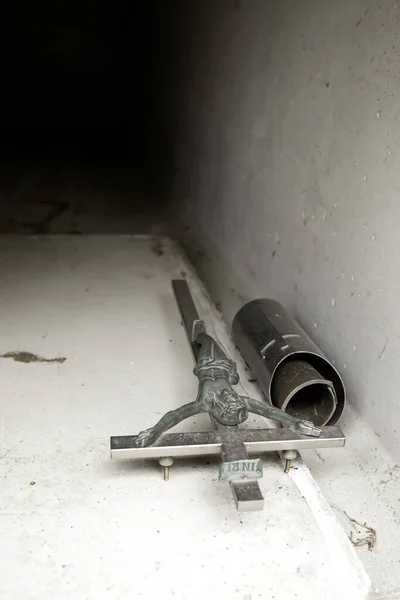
233,444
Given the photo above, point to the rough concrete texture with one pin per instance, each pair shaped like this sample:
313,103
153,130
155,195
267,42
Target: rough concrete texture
362,487
76,524
289,165
59,195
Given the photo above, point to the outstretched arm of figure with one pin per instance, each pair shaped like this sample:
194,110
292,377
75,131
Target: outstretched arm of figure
271,412
170,419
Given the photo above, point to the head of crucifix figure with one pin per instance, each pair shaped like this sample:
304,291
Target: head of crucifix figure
229,408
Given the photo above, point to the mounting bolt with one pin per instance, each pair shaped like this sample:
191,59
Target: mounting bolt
289,455
166,462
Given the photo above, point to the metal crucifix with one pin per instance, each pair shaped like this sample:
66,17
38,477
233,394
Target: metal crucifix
217,373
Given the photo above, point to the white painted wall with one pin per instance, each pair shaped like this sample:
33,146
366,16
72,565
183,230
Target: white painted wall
289,174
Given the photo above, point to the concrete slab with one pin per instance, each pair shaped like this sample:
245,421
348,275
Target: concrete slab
76,524
362,488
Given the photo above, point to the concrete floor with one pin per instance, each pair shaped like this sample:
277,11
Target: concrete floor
362,487
76,524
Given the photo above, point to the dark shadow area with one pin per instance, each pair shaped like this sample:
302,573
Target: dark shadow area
86,119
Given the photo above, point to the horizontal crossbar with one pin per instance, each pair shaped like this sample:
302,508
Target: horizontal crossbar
209,443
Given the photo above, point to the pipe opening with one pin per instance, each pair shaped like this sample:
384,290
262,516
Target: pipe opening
299,389
312,403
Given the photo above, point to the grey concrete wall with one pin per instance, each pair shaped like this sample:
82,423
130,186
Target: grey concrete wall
288,160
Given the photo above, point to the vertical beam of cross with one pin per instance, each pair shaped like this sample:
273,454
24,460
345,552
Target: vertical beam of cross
247,494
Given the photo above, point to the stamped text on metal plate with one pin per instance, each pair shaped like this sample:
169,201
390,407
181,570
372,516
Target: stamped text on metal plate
238,470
